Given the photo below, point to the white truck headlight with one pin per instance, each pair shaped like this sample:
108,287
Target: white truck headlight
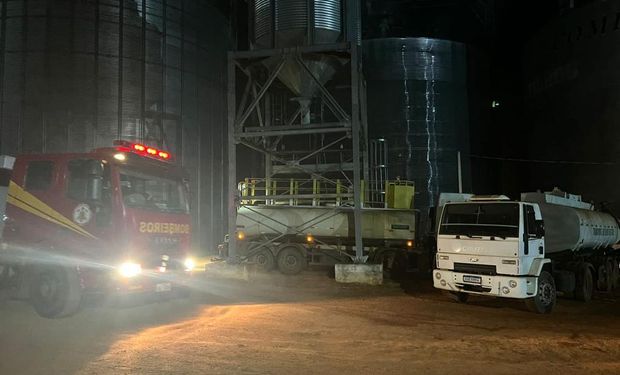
505,290
438,275
512,284
129,269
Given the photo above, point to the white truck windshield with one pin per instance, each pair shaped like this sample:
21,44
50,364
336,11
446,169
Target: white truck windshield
153,192
481,219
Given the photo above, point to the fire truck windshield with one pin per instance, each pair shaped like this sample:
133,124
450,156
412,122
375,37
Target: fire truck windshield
153,192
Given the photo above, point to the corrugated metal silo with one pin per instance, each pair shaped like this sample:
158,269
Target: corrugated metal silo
417,102
76,75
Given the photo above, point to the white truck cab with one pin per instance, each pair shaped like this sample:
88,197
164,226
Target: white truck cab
492,246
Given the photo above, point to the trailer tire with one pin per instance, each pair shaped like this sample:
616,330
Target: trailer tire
55,292
291,261
394,267
609,275
546,295
615,274
584,287
264,260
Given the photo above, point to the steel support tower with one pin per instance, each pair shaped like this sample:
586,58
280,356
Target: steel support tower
321,138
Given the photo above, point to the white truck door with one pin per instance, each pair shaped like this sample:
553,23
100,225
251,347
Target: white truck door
533,236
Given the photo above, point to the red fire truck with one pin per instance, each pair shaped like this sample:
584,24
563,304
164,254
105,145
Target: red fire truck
113,220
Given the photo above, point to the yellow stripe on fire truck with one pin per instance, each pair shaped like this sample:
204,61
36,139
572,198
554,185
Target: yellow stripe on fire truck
29,203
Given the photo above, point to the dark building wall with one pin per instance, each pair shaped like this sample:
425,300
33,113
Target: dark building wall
76,75
572,95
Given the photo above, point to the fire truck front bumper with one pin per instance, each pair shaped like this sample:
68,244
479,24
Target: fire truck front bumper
151,281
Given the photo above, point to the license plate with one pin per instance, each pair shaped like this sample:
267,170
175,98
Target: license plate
163,287
472,279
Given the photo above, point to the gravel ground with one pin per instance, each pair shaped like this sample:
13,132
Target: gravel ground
311,324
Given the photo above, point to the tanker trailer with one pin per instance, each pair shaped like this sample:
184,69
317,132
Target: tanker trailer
580,241
546,244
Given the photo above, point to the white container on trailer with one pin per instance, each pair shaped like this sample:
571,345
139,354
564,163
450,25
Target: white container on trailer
329,222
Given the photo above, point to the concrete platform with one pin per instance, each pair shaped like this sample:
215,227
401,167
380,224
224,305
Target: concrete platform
243,271
371,274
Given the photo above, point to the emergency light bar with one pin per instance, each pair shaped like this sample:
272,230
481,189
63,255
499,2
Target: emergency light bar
142,150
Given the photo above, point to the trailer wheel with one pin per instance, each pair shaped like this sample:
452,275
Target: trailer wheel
55,292
608,285
546,295
264,260
394,267
584,287
459,297
615,274
291,261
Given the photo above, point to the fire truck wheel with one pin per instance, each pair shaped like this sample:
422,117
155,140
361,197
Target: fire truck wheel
546,295
55,292
584,286
291,261
264,260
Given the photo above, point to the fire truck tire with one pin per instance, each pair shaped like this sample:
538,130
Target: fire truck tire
291,261
584,286
264,260
55,292
546,296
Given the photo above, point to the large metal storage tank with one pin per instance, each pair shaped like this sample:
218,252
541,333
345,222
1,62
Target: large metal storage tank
417,103
76,75
572,98
288,23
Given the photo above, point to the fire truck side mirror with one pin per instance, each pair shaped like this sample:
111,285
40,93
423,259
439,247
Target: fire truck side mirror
94,187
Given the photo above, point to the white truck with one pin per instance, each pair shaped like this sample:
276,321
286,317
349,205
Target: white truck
534,249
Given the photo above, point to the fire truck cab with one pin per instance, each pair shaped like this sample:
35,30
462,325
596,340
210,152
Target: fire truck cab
113,220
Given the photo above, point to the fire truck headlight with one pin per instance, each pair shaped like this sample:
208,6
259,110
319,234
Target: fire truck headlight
190,264
120,156
129,269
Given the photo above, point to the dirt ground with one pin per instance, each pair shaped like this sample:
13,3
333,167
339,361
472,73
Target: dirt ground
311,324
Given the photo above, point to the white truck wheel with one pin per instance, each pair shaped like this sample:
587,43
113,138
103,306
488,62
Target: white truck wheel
546,295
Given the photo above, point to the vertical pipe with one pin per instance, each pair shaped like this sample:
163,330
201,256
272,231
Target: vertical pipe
460,171
24,57
355,129
121,16
232,162
96,78
2,54
143,77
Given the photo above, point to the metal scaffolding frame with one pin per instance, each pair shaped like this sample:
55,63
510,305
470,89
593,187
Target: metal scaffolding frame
249,125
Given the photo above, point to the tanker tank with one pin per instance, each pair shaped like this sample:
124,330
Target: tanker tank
573,225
